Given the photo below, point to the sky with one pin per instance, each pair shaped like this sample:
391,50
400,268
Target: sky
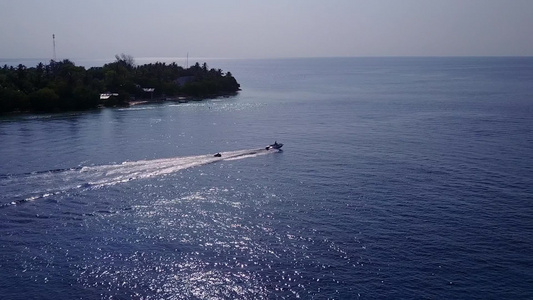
99,29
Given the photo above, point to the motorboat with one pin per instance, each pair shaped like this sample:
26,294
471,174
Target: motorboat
276,145
218,155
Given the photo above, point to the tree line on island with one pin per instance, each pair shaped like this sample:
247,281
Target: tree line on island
63,86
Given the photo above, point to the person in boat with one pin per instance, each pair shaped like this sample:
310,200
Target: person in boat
276,145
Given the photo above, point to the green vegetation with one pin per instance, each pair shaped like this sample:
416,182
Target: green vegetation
63,86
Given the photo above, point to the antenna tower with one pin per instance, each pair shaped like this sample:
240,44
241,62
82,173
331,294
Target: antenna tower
54,42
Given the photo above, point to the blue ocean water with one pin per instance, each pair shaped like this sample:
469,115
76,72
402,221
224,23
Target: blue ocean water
400,178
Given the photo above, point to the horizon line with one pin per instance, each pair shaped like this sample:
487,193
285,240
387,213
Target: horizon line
4,61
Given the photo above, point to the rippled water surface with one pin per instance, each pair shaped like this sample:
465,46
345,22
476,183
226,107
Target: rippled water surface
400,178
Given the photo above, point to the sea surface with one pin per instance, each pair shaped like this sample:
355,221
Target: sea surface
400,178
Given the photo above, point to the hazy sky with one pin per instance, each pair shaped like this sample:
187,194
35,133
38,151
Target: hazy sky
264,29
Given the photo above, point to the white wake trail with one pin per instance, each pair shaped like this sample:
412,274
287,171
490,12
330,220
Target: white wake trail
49,183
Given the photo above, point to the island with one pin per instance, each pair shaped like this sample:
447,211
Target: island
63,86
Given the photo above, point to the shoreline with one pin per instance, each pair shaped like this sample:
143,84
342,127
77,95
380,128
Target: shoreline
180,99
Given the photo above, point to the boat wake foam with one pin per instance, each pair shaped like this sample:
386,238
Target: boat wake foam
44,184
